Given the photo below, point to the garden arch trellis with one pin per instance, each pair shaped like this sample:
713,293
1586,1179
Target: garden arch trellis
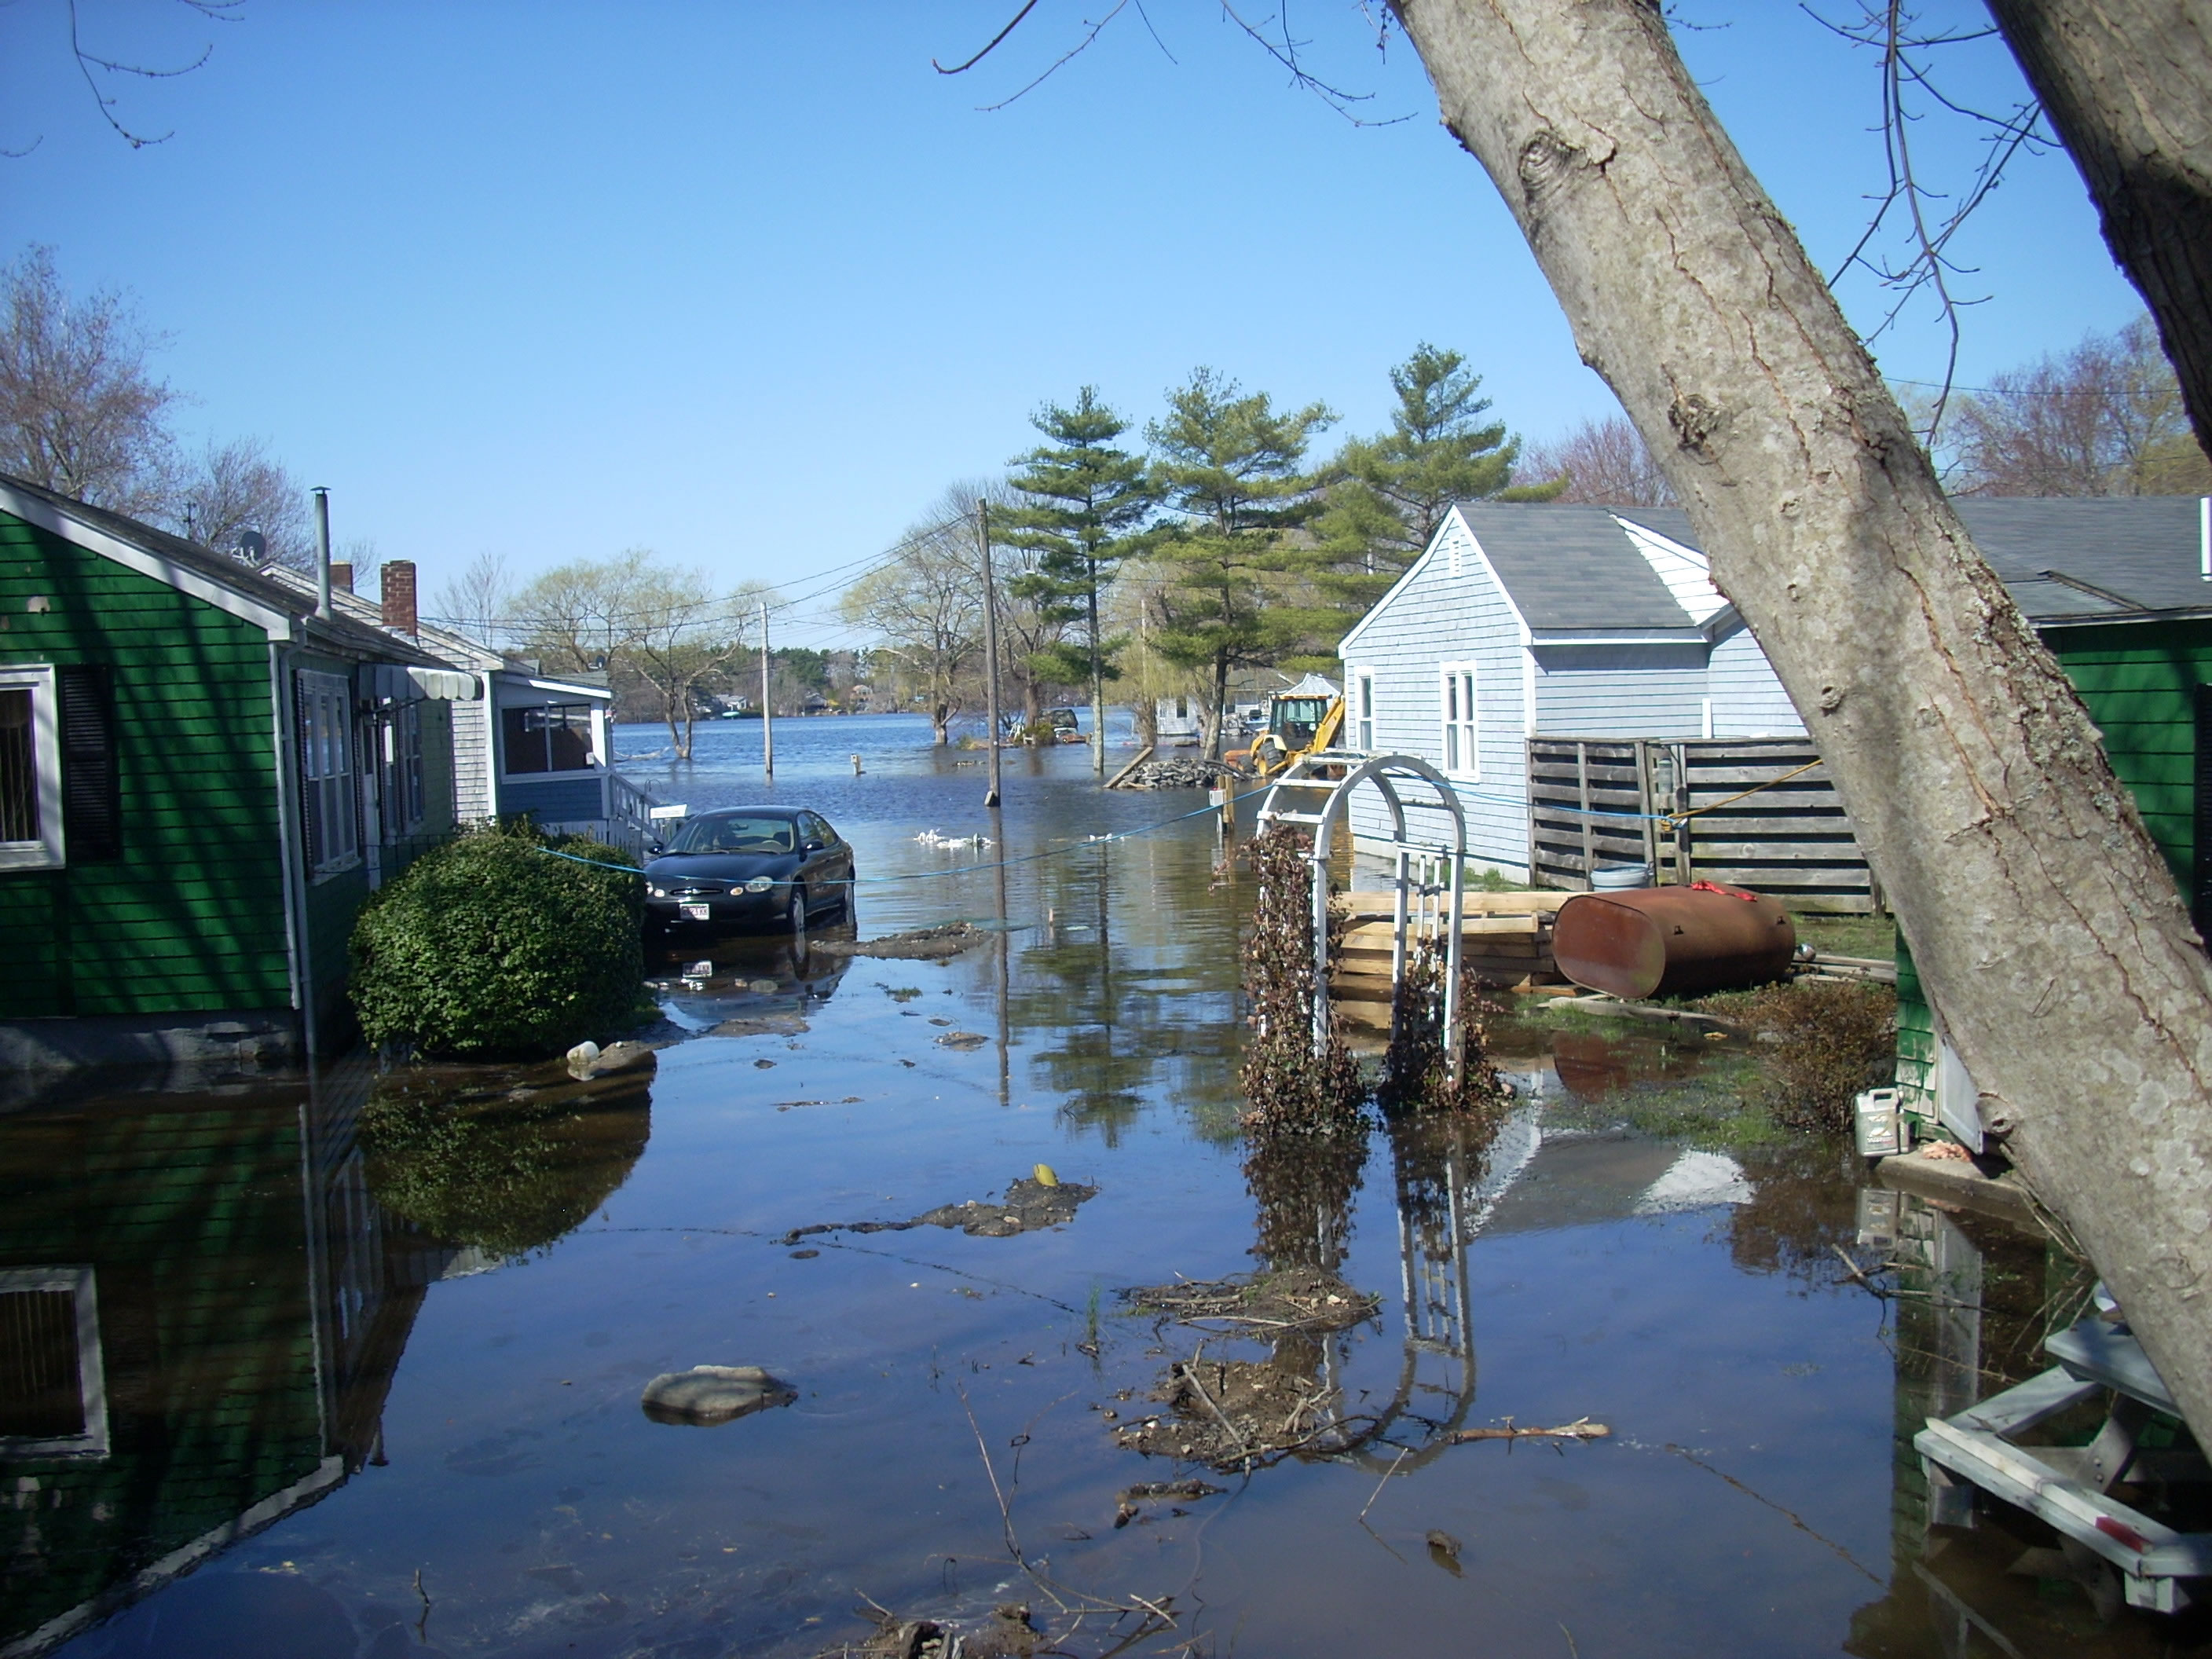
1338,775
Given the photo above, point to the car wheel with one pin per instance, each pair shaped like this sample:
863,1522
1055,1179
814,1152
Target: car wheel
795,917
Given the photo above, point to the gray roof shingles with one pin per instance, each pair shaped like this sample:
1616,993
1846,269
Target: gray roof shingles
1572,568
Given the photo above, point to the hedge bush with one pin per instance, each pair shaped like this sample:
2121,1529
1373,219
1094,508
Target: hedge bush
489,949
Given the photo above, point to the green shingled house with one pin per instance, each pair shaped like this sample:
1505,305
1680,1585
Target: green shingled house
200,781
2120,589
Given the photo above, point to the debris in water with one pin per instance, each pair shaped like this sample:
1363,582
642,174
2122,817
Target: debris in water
1045,1178
1028,1208
961,1040
712,1394
1298,1299
1581,1429
1444,1550
947,938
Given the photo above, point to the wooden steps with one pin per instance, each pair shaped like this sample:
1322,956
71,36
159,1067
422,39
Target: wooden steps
1510,949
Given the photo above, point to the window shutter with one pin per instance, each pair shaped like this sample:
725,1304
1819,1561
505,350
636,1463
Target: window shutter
92,797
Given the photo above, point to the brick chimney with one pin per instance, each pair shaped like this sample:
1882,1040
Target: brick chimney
399,592
341,577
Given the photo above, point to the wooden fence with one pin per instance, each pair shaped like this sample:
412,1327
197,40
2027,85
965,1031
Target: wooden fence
1595,801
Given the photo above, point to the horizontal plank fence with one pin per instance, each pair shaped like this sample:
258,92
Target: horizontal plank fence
1598,801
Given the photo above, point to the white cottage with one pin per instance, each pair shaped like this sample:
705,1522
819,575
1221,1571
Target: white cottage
1521,620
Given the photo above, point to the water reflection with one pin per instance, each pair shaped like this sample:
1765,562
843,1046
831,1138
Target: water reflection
504,1166
205,1293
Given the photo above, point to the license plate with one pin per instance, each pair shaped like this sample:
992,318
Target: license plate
697,912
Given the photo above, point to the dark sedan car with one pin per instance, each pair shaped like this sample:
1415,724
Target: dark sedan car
747,866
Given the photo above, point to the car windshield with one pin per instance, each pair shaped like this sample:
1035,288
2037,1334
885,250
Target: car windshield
732,833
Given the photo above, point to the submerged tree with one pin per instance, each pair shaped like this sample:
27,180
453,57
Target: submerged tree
1085,501
925,604
1235,590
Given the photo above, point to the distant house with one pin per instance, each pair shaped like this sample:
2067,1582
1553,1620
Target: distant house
1522,620
1518,620
529,744
200,781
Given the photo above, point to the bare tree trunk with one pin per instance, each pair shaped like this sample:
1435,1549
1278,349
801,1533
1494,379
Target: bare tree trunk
2128,84
2044,922
940,724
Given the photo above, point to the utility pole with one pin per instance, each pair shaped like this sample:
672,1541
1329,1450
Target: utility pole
990,647
768,709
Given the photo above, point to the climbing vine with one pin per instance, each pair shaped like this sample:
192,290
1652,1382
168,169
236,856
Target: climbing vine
1289,1088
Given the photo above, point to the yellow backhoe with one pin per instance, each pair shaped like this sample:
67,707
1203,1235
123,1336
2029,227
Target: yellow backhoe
1297,723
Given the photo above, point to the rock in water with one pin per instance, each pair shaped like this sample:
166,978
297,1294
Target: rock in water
712,1394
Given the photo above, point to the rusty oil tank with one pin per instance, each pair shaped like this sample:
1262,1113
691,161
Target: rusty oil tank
1673,941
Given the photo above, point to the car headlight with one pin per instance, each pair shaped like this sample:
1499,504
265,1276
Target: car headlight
759,885
658,892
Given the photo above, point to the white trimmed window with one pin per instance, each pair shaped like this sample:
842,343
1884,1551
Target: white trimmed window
1460,729
30,770
53,1389
327,798
1363,710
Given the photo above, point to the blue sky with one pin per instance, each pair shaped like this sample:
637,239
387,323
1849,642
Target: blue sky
750,284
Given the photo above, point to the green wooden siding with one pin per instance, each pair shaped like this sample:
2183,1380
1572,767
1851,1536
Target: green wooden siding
191,917
2139,682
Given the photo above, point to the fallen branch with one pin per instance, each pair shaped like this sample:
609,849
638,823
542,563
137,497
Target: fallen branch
1581,1429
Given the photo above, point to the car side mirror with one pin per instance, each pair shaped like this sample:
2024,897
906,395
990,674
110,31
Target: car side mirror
810,846
656,848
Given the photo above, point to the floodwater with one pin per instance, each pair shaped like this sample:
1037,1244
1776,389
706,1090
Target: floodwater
367,1352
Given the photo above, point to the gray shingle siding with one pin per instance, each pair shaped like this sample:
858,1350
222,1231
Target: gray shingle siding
1621,690
1748,702
1436,618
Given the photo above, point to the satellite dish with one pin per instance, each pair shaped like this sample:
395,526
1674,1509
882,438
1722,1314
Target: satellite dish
252,546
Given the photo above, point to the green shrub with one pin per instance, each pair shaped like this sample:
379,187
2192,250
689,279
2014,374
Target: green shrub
491,948
1832,1039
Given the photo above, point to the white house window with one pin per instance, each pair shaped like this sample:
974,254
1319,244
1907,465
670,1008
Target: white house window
554,737
1363,710
327,776
53,1393
1462,755
30,771
403,768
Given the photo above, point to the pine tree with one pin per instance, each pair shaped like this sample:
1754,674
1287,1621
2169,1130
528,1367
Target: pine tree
1388,494
1237,586
1086,503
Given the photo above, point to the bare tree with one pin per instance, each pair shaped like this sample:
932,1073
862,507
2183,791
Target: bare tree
925,604
2104,419
476,602
235,487
81,412
2043,921
1606,464
655,631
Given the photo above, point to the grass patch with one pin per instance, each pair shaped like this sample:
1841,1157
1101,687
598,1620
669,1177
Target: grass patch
1870,939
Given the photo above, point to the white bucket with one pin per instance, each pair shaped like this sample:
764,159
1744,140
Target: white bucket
1612,877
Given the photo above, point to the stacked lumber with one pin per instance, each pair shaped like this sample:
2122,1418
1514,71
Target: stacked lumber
1505,941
